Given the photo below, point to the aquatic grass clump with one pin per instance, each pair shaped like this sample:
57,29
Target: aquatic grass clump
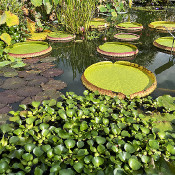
120,79
86,135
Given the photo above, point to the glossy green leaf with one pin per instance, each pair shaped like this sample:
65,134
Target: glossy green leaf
124,156
55,168
83,126
154,144
145,159
14,139
50,153
70,112
78,167
129,148
100,140
58,149
38,171
70,143
36,3
88,159
67,171
171,149
27,156
29,147
3,166
80,144
44,126
97,161
134,164
38,151
45,148
35,104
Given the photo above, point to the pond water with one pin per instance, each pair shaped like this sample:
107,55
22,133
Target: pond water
75,57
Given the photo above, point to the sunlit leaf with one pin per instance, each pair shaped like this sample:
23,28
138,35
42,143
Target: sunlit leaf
6,38
11,19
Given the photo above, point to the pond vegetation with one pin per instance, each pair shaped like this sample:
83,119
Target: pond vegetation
47,130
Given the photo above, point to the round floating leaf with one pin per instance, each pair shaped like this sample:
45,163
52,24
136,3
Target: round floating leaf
117,49
29,49
126,36
145,159
3,166
88,159
70,143
129,148
100,140
60,36
154,144
97,161
27,157
124,156
134,164
45,148
55,168
130,79
80,144
38,171
66,172
129,26
29,147
59,149
171,149
78,167
83,126
38,151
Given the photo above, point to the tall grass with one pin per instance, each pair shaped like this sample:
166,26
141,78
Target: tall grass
76,14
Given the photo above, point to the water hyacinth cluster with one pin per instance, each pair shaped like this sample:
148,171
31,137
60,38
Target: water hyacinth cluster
89,134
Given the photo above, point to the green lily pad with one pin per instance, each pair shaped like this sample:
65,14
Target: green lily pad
164,43
129,26
60,36
159,25
98,23
130,79
117,49
126,36
29,49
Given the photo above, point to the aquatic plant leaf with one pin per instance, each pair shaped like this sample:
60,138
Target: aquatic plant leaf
42,66
154,144
54,85
38,171
4,63
130,79
67,171
31,60
38,36
36,80
78,167
134,164
52,72
6,38
167,102
13,83
11,19
97,161
48,59
2,19
36,3
70,143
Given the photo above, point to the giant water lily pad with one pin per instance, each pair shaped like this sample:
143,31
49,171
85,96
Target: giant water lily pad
42,66
126,36
26,74
119,79
165,43
129,26
117,49
29,49
13,83
159,26
60,36
98,23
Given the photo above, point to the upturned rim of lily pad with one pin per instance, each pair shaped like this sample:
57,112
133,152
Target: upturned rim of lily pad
159,26
42,51
120,95
118,54
134,36
134,26
103,24
57,36
159,44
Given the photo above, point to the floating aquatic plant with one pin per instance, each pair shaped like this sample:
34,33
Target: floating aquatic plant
9,96
126,36
11,74
48,59
37,80
52,72
31,60
42,66
29,73
5,109
47,94
54,85
129,26
119,79
13,83
29,49
28,91
27,100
